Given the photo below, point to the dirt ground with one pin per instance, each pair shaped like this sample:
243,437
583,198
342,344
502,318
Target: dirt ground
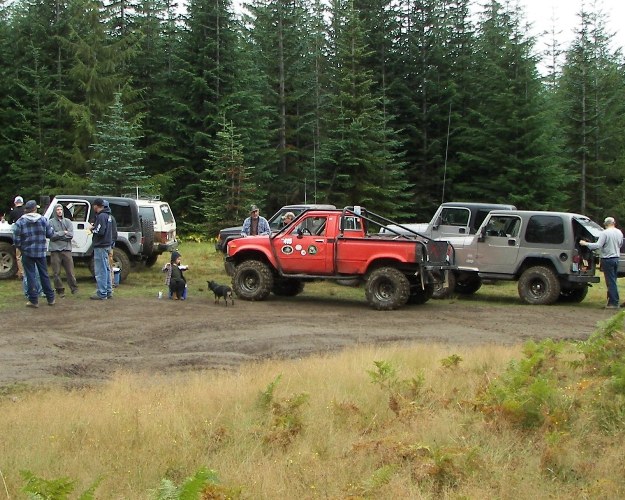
80,342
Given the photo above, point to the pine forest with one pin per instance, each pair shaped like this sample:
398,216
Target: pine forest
393,105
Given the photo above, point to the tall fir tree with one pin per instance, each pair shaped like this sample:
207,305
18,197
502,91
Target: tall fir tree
592,96
360,162
227,184
116,167
508,153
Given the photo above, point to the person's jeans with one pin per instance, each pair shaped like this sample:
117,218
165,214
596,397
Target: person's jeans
610,270
25,281
31,266
104,285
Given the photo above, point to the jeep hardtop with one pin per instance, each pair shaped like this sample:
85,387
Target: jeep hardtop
339,244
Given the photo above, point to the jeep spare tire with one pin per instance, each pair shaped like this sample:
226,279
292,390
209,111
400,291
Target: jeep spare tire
8,262
252,280
539,286
387,289
147,232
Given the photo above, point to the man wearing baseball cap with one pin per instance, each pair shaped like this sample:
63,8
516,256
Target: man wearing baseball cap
16,212
102,243
609,242
255,224
30,233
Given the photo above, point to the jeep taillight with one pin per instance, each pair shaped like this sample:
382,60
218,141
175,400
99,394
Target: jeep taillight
450,258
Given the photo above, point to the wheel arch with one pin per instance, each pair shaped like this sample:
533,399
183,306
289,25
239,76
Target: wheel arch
535,260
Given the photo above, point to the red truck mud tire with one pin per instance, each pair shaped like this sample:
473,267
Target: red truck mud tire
287,287
252,280
387,289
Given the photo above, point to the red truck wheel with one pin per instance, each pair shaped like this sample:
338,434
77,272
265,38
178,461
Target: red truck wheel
387,289
252,280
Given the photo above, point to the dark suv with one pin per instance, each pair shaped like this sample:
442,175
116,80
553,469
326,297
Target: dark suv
230,233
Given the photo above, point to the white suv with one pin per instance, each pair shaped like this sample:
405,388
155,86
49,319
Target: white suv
164,239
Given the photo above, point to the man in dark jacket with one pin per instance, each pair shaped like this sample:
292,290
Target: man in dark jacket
61,251
30,233
16,212
102,229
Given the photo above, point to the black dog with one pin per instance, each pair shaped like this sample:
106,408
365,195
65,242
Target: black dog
221,291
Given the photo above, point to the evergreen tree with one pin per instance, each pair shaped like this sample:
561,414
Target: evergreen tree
116,168
508,149
360,163
94,74
592,95
204,79
227,185
285,32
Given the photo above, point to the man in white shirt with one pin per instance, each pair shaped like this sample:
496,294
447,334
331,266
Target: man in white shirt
609,242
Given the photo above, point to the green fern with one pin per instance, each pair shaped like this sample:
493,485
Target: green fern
37,488
190,489
265,398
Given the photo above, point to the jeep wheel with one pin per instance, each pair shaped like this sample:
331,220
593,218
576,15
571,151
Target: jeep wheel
151,260
387,289
539,286
573,295
440,289
468,285
8,262
287,287
252,280
121,260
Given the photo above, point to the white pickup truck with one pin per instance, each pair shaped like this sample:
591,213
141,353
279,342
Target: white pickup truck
132,233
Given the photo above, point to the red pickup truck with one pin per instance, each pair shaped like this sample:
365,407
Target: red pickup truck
340,245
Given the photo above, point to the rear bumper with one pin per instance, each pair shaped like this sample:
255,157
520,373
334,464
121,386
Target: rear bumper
167,247
582,279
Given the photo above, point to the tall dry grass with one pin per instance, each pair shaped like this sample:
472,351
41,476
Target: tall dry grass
351,438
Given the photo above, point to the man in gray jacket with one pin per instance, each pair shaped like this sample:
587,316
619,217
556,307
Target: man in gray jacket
61,251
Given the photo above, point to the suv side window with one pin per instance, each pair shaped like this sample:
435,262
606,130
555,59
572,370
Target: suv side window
76,211
503,226
455,217
122,214
545,229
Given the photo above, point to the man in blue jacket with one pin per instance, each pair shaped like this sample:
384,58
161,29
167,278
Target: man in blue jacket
102,229
30,233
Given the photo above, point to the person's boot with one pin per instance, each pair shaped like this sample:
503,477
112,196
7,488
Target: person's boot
60,292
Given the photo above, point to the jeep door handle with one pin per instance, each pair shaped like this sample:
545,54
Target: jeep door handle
318,241
80,226
512,243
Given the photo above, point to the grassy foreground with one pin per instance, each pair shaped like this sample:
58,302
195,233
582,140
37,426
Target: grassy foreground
540,421
545,421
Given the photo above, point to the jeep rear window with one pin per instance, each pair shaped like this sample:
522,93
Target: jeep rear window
545,229
168,217
147,213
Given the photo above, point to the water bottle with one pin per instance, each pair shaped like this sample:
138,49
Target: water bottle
160,294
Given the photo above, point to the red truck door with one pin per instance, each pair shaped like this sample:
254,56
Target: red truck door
305,248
